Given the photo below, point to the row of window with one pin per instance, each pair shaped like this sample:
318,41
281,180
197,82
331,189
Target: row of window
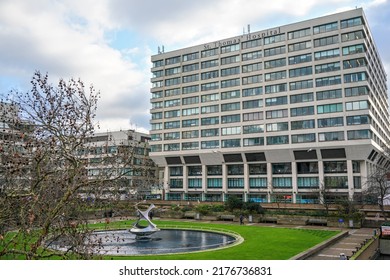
261,168
321,55
232,46
260,141
272,114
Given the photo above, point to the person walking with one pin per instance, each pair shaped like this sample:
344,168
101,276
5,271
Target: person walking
241,219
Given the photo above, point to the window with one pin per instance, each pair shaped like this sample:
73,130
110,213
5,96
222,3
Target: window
172,71
354,49
252,116
274,39
357,105
329,108
214,170
251,55
324,41
230,83
275,51
303,138
328,67
355,35
359,134
170,125
299,33
325,28
306,124
194,183
330,122
191,122
257,182
251,104
230,48
257,128
171,135
252,79
303,71
230,59
210,52
351,22
275,88
231,118
308,182
190,146
214,183
210,109
355,77
301,85
156,126
329,94
303,97
284,182
190,89
176,171
231,143
210,121
173,81
158,63
275,63
331,136
190,56
172,147
157,94
258,169
190,100
302,111
231,71
172,114
235,183
277,140
281,168
210,132
158,74
172,103
230,106
251,44
210,86
326,54
172,92
191,67
209,63
231,130
213,144
307,167
299,59
157,116
210,97
257,141
274,101
190,134
275,76
190,111
356,91
328,81
209,75
336,182
299,46
230,94
172,60
357,120
282,126
251,67
252,91
354,63
277,114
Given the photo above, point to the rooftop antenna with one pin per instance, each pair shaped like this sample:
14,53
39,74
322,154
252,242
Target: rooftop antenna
163,49
243,30
159,50
249,29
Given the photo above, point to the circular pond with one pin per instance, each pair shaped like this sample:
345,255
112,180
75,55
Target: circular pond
165,241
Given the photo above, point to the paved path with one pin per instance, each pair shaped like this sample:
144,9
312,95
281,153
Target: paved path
347,245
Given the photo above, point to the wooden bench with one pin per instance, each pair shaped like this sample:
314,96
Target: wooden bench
317,222
226,217
273,220
190,215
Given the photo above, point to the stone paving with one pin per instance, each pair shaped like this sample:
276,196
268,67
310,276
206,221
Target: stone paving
347,245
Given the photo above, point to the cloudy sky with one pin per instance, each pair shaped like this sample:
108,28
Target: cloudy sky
108,43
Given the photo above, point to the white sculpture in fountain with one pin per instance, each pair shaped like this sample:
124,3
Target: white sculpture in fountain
142,231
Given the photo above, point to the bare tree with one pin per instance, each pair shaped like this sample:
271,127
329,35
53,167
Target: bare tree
41,171
378,188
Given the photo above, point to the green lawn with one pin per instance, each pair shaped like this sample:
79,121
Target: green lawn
260,242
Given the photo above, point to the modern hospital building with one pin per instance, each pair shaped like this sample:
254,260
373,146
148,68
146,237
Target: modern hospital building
287,114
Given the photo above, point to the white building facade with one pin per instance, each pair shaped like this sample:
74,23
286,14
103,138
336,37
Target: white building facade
292,113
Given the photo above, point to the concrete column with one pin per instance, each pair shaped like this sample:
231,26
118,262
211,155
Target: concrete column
321,179
204,181
166,186
269,181
246,180
224,180
294,181
185,179
351,189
